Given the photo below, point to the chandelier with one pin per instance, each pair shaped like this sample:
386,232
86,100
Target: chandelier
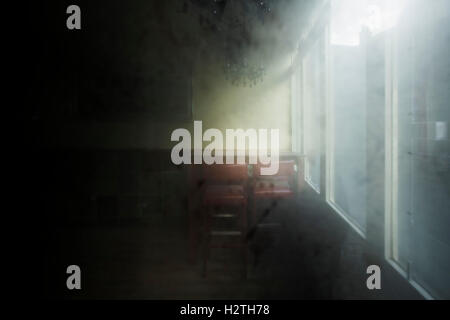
232,21
242,73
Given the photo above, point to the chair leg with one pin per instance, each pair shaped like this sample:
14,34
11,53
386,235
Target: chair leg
244,238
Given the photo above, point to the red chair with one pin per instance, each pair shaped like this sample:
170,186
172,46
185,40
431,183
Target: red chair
278,186
225,185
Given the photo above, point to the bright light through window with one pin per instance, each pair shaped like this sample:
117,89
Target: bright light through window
349,17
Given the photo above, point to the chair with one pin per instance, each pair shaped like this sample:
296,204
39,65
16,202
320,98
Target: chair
278,186
225,185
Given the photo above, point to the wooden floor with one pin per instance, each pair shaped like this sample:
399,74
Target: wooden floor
312,254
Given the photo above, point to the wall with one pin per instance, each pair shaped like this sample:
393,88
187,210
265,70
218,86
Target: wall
133,43
221,105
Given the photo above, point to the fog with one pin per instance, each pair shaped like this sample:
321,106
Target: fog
357,92
384,60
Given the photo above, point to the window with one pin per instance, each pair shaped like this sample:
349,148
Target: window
378,56
346,116
296,110
417,158
313,70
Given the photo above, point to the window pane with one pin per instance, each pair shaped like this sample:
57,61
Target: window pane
349,123
423,147
313,66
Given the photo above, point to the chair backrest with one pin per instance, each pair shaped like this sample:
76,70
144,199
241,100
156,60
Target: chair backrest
225,173
286,169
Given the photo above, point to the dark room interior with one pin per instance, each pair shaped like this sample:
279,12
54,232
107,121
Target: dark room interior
239,149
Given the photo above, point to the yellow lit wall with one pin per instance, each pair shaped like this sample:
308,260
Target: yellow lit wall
221,105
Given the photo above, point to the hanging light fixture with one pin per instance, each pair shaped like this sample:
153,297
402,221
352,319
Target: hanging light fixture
240,72
232,20
238,68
